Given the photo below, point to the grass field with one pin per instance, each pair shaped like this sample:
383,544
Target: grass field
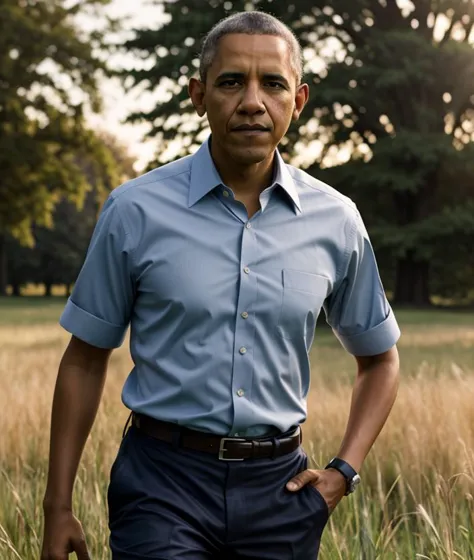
416,501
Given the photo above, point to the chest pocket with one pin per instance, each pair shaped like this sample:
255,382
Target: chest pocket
303,296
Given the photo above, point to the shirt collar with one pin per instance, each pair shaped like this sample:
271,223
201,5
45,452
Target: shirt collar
285,180
205,177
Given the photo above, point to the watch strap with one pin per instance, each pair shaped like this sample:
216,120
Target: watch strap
344,468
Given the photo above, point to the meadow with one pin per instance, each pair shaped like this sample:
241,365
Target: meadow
416,500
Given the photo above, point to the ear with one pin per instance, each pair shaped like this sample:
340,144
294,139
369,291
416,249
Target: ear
197,91
301,98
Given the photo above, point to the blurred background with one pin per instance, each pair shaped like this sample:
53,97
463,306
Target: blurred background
93,92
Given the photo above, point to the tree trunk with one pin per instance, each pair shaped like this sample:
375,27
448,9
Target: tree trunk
47,289
412,282
16,289
68,289
3,265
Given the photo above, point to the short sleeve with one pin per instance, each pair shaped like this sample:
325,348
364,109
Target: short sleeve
358,310
99,309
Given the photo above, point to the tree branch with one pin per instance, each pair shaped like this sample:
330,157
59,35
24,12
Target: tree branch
468,32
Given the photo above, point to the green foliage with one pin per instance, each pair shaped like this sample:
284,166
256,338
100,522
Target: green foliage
59,251
389,86
48,75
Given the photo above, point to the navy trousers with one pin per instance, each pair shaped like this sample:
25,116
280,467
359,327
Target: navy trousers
169,503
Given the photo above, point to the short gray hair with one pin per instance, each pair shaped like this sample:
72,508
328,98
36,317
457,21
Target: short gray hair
249,23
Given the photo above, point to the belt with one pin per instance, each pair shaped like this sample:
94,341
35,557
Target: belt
225,448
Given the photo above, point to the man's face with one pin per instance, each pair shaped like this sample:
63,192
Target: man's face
250,96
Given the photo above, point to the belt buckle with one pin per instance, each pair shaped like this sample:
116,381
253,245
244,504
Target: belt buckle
222,448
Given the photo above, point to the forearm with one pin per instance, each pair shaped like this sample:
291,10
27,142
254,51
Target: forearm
373,395
77,395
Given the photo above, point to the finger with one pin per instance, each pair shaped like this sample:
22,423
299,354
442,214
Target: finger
302,479
80,547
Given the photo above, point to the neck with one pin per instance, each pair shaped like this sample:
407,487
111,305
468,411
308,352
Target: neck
244,180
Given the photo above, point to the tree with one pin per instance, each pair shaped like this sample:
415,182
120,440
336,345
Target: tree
394,94
393,87
59,251
48,75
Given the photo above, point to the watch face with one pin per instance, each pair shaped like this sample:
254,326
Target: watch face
354,482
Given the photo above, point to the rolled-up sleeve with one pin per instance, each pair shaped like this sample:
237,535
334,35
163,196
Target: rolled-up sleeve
358,310
99,309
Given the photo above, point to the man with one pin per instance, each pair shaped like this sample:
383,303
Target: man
221,262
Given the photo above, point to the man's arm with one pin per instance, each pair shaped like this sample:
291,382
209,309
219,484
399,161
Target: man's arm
373,396
78,391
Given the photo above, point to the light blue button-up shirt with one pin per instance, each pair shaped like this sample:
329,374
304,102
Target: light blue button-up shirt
223,309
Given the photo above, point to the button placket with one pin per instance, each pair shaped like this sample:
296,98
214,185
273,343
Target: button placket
243,364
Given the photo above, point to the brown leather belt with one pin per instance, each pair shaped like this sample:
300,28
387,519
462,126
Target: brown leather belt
225,448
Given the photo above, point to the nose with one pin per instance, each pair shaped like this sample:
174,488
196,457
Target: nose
251,102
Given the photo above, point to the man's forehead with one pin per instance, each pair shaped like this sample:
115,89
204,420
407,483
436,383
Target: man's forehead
239,51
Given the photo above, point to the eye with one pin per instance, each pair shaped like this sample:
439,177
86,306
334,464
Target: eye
229,83
275,85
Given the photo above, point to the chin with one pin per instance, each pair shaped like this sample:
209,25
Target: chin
249,155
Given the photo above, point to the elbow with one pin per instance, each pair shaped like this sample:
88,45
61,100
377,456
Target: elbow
388,361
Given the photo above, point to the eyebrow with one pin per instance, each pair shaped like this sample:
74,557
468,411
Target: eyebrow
240,76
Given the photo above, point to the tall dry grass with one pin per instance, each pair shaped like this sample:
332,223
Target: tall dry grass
416,500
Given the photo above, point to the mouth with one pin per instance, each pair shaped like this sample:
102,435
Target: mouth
251,130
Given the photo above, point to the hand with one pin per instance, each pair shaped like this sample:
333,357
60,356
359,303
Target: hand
329,482
63,535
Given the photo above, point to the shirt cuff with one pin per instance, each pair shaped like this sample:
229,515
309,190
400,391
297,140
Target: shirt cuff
376,340
90,328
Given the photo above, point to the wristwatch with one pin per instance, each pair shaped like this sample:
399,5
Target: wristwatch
351,476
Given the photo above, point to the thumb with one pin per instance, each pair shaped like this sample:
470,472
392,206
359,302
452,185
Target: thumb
302,479
80,548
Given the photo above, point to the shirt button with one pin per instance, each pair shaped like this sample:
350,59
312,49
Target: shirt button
244,315
226,193
248,225
241,393
243,350
247,270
